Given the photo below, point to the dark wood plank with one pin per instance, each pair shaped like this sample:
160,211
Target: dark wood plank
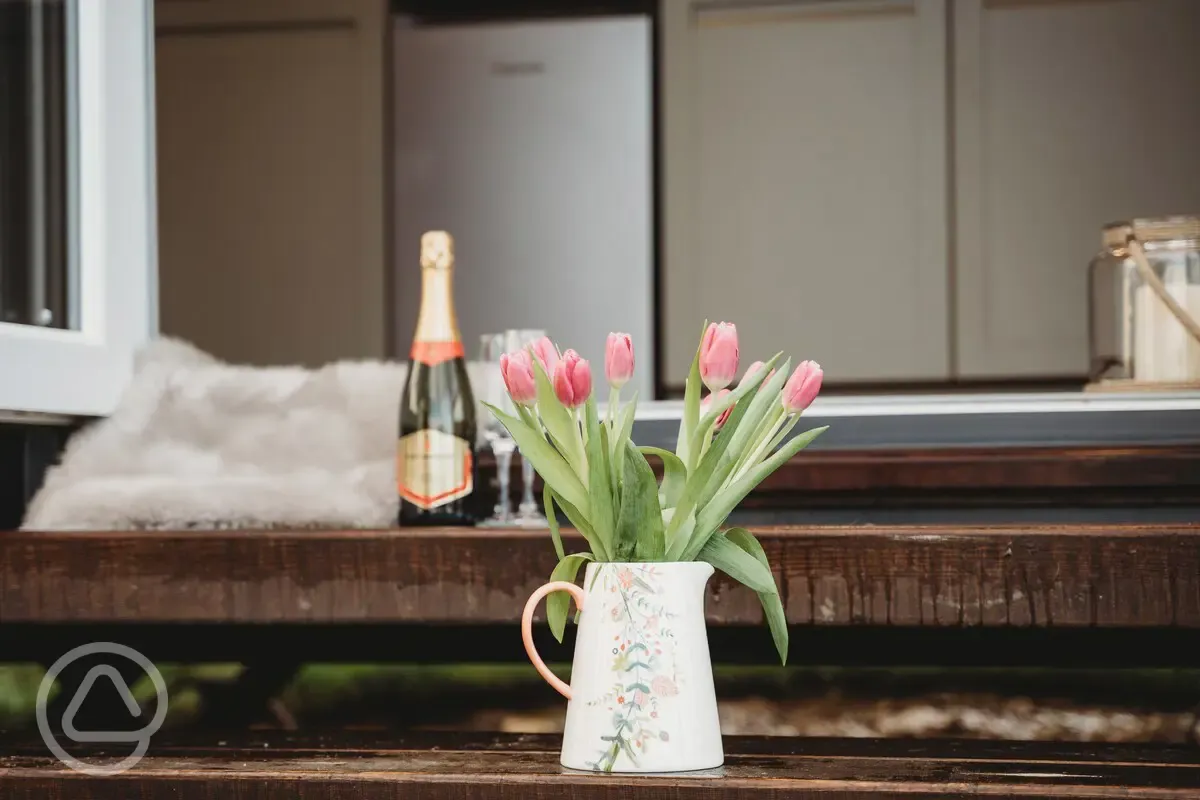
506,766
1044,476
924,576
1001,576
976,477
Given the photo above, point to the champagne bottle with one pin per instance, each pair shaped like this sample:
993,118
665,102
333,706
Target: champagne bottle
436,468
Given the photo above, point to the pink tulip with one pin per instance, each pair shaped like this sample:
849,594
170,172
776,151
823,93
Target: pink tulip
719,355
750,370
546,353
517,370
802,387
572,380
720,423
618,359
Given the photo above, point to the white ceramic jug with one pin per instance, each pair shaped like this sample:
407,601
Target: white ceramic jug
641,697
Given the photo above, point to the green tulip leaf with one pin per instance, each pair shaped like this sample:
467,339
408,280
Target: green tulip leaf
599,477
683,532
762,442
640,533
559,603
624,429
763,402
558,420
754,409
772,603
712,515
742,438
580,523
783,432
737,563
713,468
552,520
529,417
674,475
548,462
691,409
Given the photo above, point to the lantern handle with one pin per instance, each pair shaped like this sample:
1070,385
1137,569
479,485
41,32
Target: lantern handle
1138,254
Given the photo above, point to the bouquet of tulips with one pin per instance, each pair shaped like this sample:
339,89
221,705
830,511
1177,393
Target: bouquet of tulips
728,442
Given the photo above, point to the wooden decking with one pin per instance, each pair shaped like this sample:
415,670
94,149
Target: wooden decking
506,767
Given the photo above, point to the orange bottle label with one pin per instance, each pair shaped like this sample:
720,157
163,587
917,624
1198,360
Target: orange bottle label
433,468
432,353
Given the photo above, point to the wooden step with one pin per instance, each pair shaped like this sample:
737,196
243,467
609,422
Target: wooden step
928,576
514,767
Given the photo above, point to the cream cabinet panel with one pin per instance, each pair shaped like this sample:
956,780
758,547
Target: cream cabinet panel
805,182
1069,114
270,147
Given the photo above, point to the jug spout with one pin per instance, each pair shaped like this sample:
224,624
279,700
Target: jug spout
693,576
700,575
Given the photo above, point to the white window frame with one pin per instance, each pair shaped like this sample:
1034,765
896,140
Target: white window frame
83,372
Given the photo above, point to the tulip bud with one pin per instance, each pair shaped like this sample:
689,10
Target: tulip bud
572,380
750,370
546,353
618,359
802,387
719,355
517,371
706,402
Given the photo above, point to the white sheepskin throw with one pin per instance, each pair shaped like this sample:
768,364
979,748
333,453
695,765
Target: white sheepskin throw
196,443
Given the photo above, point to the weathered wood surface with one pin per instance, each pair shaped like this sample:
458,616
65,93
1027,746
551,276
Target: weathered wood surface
927,576
953,477
458,767
993,477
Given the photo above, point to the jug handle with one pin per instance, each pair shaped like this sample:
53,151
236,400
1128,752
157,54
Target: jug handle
527,630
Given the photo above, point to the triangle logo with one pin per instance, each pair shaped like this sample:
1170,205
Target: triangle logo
85,686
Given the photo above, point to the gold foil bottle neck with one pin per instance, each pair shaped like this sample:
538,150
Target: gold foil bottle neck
437,250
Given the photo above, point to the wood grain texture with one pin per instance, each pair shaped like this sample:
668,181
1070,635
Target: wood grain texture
465,767
972,476
1019,476
993,467
925,576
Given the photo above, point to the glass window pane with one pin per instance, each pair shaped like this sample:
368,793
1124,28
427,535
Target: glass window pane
36,285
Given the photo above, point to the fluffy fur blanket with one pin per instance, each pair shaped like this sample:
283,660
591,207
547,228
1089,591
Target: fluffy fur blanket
198,443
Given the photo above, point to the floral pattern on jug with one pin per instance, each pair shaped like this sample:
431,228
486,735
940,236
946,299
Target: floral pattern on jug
643,663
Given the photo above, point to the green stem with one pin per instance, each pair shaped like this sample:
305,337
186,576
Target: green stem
581,441
777,420
615,463
531,419
783,432
762,434
708,437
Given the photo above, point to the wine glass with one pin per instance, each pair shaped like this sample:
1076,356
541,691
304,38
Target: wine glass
492,390
528,515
